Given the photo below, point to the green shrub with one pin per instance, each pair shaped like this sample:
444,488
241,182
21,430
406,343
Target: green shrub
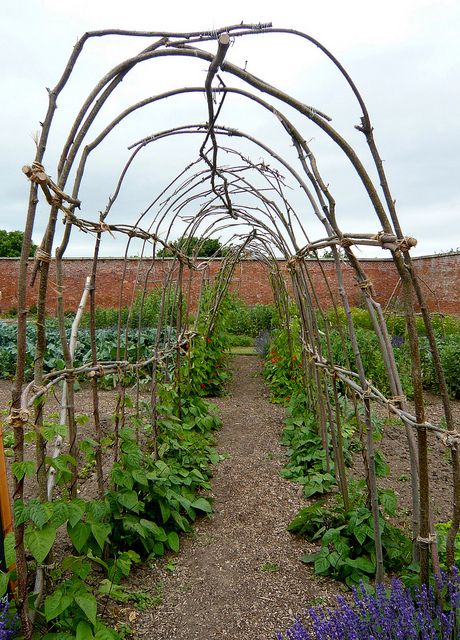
145,308
444,325
396,325
361,318
283,369
449,352
244,319
372,360
206,368
239,340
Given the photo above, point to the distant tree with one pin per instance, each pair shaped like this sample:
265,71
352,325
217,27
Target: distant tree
328,253
448,251
11,244
193,246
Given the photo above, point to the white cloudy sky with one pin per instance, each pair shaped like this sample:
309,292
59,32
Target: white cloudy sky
404,56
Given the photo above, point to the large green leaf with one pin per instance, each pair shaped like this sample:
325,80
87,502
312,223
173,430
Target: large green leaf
40,513
362,563
10,546
202,504
180,521
76,510
140,476
56,603
88,604
388,501
131,523
309,557
104,633
21,512
128,499
79,534
78,565
165,511
322,566
173,541
21,469
101,533
61,512
121,478
40,541
4,580
50,431
97,510
84,631
158,532
360,533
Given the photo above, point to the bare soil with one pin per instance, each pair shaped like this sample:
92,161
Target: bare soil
395,450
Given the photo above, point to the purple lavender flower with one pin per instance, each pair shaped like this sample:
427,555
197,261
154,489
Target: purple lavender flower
394,613
8,623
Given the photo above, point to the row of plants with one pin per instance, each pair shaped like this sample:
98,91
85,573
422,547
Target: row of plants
283,366
149,502
280,367
447,332
343,530
162,453
444,325
340,522
207,367
309,463
239,324
134,346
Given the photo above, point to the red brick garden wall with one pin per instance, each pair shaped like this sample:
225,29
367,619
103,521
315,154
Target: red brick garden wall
439,275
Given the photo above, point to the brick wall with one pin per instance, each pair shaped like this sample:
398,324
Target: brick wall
439,275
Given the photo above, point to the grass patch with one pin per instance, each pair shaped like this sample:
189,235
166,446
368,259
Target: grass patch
243,351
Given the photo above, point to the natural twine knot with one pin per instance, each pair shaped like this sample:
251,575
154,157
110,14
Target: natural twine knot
406,243
43,256
56,201
35,173
366,393
293,260
97,372
449,439
346,242
18,417
39,388
366,285
401,398
432,538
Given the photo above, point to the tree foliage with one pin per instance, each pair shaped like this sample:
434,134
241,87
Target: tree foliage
11,244
193,246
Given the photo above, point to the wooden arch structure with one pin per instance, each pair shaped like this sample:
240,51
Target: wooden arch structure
238,184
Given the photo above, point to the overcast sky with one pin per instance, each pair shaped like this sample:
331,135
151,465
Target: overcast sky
404,55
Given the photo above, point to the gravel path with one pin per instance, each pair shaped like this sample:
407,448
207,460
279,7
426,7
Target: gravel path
238,575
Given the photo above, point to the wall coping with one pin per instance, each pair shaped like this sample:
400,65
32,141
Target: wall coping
132,258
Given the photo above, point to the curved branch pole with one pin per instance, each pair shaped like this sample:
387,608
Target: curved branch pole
224,43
